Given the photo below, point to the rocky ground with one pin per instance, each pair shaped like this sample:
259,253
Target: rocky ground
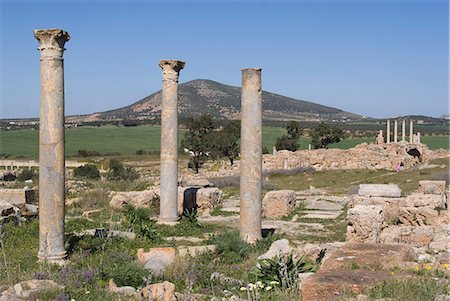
341,241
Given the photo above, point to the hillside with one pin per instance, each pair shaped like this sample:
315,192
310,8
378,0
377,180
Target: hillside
222,101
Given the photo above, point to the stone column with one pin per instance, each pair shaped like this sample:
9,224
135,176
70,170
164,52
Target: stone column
403,130
395,131
411,131
251,155
274,151
388,131
51,145
418,137
169,140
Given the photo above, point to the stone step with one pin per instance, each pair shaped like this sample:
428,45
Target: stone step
324,206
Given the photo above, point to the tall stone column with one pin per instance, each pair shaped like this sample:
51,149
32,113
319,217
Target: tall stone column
403,130
411,131
395,131
51,145
388,131
169,140
251,155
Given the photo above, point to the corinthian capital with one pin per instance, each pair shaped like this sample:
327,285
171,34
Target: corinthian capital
51,42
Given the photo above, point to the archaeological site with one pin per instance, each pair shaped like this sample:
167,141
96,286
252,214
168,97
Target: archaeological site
367,222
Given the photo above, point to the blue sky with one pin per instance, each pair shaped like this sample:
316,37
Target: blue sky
375,58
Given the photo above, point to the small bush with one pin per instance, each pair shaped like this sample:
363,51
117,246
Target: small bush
88,171
231,248
27,174
283,270
141,152
117,171
88,153
123,269
138,220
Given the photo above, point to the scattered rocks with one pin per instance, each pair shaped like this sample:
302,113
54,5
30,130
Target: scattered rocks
415,236
123,292
157,259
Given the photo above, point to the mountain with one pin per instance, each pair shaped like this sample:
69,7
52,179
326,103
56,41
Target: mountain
221,101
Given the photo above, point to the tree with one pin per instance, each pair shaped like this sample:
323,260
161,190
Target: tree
195,140
290,141
117,171
224,143
325,134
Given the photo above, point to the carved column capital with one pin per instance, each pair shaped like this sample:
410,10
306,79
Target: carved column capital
171,69
51,42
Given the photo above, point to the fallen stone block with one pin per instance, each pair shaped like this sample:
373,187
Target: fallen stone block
195,250
412,216
203,200
418,236
336,276
432,187
277,248
278,203
426,200
157,259
137,199
164,291
364,224
17,196
380,190
29,289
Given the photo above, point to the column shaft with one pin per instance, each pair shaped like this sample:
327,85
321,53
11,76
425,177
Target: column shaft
169,141
395,131
51,145
403,130
251,155
411,132
388,131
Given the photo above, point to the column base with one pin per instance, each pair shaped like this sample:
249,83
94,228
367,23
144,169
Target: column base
60,260
171,221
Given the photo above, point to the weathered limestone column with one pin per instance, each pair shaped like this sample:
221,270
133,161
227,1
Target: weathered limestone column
388,131
411,131
395,131
251,155
418,137
403,130
51,145
169,140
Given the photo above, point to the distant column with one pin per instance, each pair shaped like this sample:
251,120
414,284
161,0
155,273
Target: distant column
395,131
388,131
274,151
51,145
251,155
168,211
418,137
403,130
411,131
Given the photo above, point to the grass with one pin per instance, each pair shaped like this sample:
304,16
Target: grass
127,140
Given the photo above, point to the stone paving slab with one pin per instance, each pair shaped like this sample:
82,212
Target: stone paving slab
321,214
324,206
231,209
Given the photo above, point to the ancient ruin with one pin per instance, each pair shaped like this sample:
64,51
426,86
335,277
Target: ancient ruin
251,155
169,140
51,144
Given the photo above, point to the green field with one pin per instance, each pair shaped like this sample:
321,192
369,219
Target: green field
127,140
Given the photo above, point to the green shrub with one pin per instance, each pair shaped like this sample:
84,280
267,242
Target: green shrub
231,248
88,171
138,220
117,171
27,174
408,289
123,269
283,270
